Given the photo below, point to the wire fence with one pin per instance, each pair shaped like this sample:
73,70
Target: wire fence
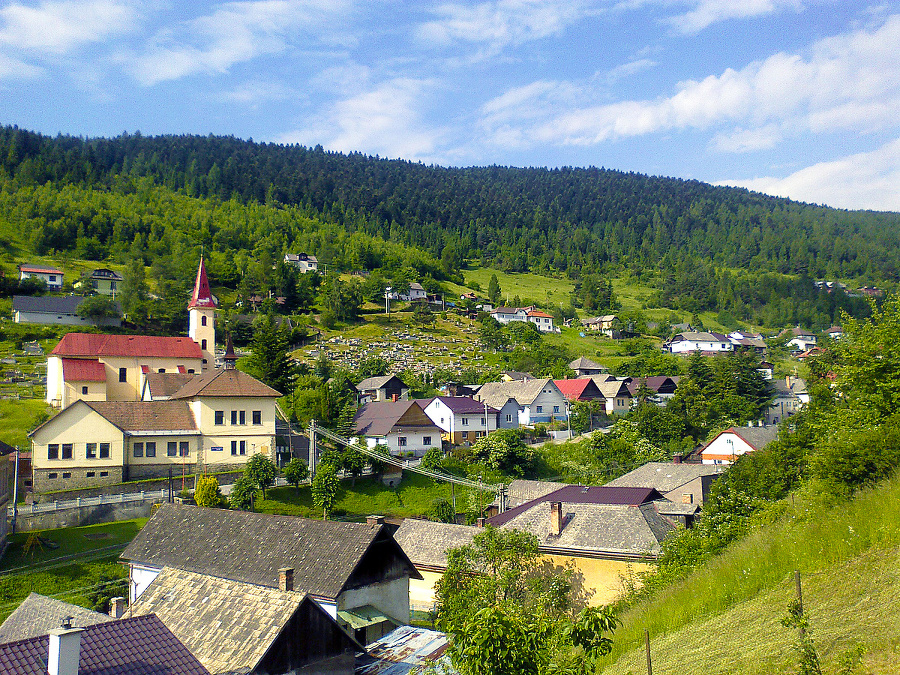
62,505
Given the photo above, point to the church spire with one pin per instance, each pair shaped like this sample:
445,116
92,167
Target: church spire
202,296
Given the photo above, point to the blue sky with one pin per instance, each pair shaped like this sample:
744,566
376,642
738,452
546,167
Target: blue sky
799,98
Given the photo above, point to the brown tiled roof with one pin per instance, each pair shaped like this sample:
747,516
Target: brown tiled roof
95,344
226,382
371,383
140,645
165,385
228,625
584,494
38,614
426,543
252,547
133,416
378,418
664,476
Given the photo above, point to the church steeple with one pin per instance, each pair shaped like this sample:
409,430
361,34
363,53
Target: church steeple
202,312
202,296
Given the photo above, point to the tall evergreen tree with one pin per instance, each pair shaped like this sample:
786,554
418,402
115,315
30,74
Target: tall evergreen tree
271,361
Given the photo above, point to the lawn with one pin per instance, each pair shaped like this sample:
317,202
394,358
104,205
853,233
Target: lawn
531,288
17,418
69,579
413,497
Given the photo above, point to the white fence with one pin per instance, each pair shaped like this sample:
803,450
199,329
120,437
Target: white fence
122,498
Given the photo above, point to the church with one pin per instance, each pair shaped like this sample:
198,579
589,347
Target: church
136,407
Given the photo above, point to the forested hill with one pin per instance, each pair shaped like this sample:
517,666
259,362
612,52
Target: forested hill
517,219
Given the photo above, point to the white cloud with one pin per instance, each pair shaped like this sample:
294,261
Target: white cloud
236,32
58,27
385,120
748,140
707,12
499,23
627,70
867,180
13,68
850,81
254,92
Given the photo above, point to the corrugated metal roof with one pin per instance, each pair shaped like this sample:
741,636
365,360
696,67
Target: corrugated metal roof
405,649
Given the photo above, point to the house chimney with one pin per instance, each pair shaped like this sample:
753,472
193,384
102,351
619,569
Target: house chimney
676,458
117,607
65,649
395,397
372,521
286,579
556,518
480,522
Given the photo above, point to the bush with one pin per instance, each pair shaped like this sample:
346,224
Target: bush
208,492
441,511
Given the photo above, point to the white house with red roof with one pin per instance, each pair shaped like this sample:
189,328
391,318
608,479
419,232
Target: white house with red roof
541,320
730,444
51,276
98,367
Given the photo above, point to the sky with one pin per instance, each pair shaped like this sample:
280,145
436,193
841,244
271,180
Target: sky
796,98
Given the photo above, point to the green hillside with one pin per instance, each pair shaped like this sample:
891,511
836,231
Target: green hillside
724,618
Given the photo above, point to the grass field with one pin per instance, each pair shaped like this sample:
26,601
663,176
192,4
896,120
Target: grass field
70,579
529,287
724,618
17,418
412,498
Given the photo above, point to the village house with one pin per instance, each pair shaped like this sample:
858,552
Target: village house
538,401
584,367
662,386
52,310
580,389
302,261
51,276
685,343
730,444
677,481
215,421
515,376
790,397
542,321
356,572
461,419
608,324
402,426
236,627
800,340
615,392
382,388
104,281
506,315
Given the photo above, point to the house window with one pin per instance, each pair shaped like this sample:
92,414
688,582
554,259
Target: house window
84,390
190,371
465,435
67,451
401,441
184,448
540,409
257,417
104,474
220,417
509,418
90,450
243,447
233,447
162,370
203,345
90,474
465,421
172,449
426,440
151,449
556,408
53,451
123,374
52,476
482,421
243,417
67,474
202,320
138,449
234,416
104,451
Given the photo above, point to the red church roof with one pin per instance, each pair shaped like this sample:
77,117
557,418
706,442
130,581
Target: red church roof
202,296
83,370
94,345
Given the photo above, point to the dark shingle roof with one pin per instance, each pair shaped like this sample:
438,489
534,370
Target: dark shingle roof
38,614
459,404
583,494
141,645
371,383
378,418
48,305
252,547
426,542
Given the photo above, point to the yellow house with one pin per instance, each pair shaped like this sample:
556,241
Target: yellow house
604,538
213,422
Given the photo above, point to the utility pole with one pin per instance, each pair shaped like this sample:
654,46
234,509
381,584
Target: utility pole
15,517
312,449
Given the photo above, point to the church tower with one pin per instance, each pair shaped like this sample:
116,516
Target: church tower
202,311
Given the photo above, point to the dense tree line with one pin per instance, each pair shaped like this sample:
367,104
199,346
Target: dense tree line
703,247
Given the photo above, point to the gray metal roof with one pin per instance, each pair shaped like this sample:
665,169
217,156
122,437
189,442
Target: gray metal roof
38,614
664,476
496,394
521,491
47,305
252,547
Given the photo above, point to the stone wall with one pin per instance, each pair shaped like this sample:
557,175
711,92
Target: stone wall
84,515
46,480
131,488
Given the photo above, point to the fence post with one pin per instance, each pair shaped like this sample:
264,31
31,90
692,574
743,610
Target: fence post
78,501
647,644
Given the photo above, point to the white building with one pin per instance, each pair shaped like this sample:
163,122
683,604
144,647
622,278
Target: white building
684,343
303,262
51,276
460,418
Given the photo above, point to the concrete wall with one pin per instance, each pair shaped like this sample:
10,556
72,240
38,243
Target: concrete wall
84,515
132,488
390,597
